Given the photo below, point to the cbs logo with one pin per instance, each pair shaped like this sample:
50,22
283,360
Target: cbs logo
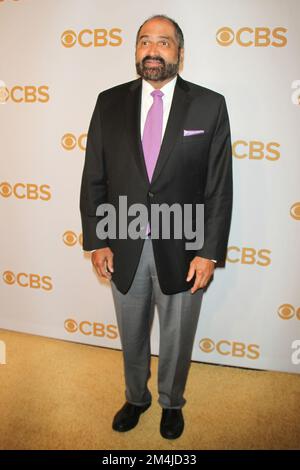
33,281
69,141
25,191
70,238
257,37
92,37
287,311
91,328
230,348
256,150
295,211
24,94
248,255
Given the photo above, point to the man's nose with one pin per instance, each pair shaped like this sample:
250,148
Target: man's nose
153,50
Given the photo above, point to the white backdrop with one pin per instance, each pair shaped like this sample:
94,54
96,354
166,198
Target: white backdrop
56,56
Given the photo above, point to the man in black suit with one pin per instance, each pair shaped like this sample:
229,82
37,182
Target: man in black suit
157,140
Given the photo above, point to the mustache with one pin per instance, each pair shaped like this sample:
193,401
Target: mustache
158,58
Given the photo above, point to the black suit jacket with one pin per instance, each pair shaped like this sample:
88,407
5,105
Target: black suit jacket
194,169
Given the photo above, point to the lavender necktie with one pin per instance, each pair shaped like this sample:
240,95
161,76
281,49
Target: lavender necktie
152,134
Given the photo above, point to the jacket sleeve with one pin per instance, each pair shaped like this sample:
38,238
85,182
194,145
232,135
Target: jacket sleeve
218,193
93,183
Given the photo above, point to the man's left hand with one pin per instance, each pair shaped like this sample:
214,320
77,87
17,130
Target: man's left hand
203,268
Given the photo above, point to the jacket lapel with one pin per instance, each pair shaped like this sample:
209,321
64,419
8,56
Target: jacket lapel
179,107
180,103
133,120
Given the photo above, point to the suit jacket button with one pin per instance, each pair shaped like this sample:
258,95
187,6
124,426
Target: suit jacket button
150,194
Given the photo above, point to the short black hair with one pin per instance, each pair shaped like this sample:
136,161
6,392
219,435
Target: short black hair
178,31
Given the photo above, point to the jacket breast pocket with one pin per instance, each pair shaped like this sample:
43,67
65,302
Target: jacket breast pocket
196,138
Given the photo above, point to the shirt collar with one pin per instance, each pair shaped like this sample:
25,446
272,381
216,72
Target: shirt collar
167,89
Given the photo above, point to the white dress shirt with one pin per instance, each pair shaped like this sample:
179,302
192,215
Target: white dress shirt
147,101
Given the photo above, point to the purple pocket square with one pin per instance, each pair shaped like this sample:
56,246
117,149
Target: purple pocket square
192,132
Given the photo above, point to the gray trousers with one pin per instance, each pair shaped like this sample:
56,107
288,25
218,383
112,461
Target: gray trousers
178,318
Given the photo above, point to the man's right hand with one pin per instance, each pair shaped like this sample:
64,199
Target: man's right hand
102,260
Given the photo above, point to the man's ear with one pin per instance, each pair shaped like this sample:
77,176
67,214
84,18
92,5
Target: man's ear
181,58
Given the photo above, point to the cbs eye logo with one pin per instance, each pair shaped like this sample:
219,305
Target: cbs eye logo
295,211
5,189
207,345
92,37
257,37
71,325
88,328
33,281
4,93
230,348
69,141
287,311
9,277
70,238
25,191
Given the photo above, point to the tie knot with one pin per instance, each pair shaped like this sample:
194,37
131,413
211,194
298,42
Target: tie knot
157,93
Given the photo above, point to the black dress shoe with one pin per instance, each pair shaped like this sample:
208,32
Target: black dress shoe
172,423
128,416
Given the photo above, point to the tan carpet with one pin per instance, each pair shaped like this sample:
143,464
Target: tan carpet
61,395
